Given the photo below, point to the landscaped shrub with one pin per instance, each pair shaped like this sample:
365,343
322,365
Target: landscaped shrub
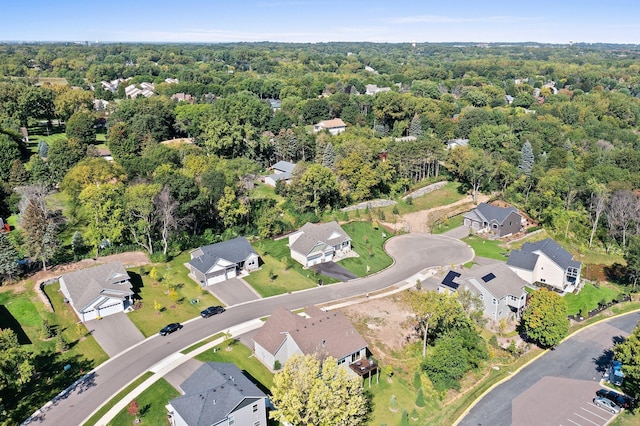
393,403
276,365
405,418
417,380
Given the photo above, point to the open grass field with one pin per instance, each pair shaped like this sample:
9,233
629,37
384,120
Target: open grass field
368,242
590,296
151,404
492,249
174,307
448,224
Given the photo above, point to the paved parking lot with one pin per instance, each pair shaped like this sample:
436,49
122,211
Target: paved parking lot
559,401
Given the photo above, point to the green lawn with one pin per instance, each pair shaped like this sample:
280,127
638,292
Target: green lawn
486,248
590,296
448,194
276,258
151,404
235,352
260,190
178,309
448,224
23,312
368,242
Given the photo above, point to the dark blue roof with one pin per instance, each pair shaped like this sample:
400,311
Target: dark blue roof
491,212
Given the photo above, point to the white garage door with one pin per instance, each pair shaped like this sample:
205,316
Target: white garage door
86,316
231,273
216,278
111,309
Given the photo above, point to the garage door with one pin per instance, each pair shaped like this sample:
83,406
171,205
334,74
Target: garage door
110,309
216,278
231,273
89,315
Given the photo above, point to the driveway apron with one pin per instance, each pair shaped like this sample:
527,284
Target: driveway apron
114,333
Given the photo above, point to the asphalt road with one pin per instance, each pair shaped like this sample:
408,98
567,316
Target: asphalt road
412,253
581,357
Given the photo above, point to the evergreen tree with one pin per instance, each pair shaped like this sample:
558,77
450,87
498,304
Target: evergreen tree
18,174
404,421
417,380
527,159
420,398
8,257
329,156
43,149
415,128
77,243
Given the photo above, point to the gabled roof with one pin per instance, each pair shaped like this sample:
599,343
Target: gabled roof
331,124
235,250
490,212
86,285
284,166
212,392
527,256
328,233
497,278
330,333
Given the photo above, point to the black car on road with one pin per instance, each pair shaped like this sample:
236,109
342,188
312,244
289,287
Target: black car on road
211,310
170,328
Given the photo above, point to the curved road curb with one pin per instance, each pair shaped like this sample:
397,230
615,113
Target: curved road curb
513,374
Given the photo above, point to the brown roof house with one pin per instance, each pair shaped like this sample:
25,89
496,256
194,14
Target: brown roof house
217,393
334,126
98,291
318,332
319,243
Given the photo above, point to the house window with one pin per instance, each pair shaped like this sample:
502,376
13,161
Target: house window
481,296
494,301
257,423
232,420
500,313
543,280
255,407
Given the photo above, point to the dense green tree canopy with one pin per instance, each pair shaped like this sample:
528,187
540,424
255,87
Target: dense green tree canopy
545,318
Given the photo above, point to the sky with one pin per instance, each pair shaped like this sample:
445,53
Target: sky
394,21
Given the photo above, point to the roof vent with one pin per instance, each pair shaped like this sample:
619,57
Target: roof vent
214,402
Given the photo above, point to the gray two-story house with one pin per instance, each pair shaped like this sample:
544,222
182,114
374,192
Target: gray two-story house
500,221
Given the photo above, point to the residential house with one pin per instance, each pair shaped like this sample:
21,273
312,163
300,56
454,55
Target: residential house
499,221
500,289
317,332
546,263
318,243
218,262
455,143
372,89
282,170
98,291
217,393
170,80
334,126
275,104
182,97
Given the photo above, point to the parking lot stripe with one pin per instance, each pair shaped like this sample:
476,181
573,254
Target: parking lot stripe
591,412
573,422
584,418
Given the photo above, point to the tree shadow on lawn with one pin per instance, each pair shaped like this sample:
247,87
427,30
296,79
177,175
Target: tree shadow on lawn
50,379
8,321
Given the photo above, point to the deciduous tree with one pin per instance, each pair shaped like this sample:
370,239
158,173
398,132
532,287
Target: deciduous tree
545,318
308,392
16,363
628,352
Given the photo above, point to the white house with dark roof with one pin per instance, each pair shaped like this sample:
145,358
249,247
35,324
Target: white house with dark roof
334,126
217,393
218,262
282,170
318,243
500,221
98,291
546,262
318,332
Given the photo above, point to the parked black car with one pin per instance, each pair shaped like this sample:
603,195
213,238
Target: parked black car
211,310
623,401
170,328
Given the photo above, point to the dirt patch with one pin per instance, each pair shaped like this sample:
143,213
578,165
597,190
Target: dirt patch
383,324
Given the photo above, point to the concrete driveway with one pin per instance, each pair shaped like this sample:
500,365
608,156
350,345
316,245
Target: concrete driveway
333,270
458,233
233,291
114,333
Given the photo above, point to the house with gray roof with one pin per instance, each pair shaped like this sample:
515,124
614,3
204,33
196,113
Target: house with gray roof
499,221
317,332
546,263
218,262
217,393
500,289
282,170
98,291
318,243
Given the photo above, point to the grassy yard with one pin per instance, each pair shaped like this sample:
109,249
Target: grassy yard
368,242
260,190
448,224
590,296
176,307
288,275
23,312
151,404
448,194
492,249
235,352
